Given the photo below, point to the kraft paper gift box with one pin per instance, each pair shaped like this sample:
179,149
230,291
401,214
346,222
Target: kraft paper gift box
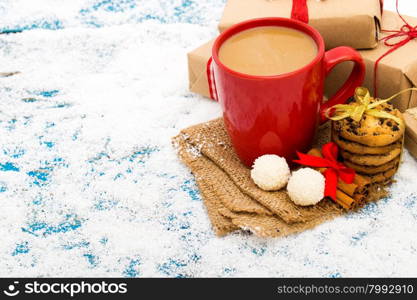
410,117
352,23
396,71
197,73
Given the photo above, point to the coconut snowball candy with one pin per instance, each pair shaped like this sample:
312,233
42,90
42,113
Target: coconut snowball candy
270,172
306,187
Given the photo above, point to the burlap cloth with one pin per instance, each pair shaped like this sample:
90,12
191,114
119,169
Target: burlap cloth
232,200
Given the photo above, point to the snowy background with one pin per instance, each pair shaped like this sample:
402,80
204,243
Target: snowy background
89,182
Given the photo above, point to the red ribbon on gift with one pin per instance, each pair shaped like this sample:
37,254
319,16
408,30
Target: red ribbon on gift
403,36
334,168
300,10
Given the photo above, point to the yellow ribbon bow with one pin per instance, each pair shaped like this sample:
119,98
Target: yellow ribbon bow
363,106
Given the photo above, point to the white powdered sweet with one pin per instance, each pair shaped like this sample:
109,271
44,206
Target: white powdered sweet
270,172
306,187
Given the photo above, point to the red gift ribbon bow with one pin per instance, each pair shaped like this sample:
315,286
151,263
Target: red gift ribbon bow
408,33
335,169
300,10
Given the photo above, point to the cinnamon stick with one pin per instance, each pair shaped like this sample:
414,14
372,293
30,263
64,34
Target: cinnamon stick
361,181
344,200
360,199
348,188
347,195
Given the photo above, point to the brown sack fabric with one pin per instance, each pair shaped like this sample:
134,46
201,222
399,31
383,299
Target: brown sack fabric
233,201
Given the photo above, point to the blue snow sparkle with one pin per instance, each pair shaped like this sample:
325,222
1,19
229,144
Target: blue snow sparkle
42,229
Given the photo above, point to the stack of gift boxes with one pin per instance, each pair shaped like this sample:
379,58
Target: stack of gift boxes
386,41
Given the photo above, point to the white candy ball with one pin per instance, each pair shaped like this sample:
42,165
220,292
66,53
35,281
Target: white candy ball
270,172
306,187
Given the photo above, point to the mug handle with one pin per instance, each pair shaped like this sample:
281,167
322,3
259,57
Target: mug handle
211,80
356,78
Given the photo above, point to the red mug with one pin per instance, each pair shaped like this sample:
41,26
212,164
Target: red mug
278,114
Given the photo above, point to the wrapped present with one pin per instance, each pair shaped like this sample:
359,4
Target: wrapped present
410,117
394,61
197,64
352,23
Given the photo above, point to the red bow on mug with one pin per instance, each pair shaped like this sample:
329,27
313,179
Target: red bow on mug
334,168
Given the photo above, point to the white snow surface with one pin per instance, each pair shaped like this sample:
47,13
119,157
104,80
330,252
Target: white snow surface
89,182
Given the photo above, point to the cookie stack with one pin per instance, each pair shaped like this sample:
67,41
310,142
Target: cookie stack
371,146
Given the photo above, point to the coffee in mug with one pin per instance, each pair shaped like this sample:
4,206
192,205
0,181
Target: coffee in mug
275,114
268,51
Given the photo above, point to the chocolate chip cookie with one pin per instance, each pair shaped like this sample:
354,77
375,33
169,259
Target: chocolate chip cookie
372,131
370,160
357,148
373,170
382,178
